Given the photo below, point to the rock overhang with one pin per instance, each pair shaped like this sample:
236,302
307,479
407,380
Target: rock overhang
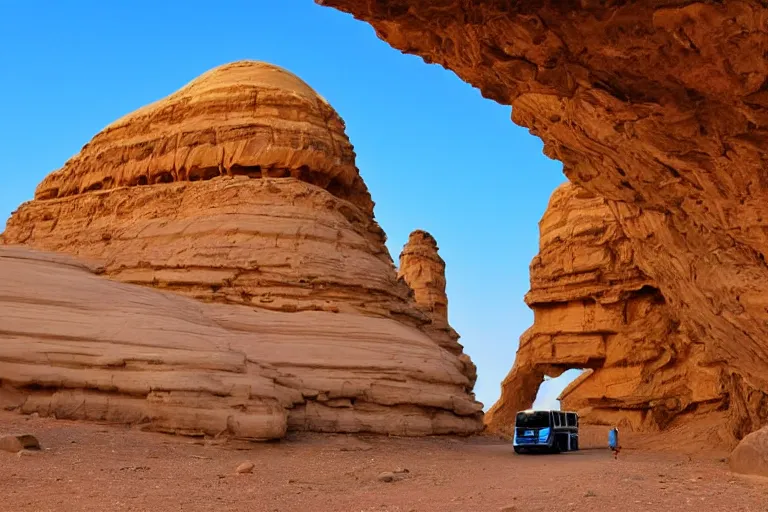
659,109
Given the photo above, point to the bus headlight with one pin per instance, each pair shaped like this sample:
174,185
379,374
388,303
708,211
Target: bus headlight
543,434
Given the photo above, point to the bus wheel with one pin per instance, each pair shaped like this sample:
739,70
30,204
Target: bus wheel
519,450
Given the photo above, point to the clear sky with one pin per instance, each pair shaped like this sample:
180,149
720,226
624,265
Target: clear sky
434,153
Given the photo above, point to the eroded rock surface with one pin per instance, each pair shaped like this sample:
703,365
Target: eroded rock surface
241,188
660,109
423,270
595,310
75,345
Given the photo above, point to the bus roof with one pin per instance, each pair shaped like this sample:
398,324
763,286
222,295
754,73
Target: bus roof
529,411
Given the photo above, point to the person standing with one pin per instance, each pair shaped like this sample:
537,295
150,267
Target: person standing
613,442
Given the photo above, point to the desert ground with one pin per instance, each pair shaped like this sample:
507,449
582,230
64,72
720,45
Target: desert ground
97,467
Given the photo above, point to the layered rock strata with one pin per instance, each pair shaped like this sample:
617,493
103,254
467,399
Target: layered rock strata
240,188
75,345
595,310
661,109
423,270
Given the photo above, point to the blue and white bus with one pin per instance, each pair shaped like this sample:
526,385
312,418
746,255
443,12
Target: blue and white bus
546,431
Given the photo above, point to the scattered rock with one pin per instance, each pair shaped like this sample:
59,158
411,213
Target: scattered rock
511,508
26,453
245,467
590,494
134,468
392,476
17,443
386,476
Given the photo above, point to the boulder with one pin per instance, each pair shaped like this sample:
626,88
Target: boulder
18,443
751,454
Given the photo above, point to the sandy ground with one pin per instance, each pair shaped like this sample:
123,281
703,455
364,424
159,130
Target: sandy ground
91,467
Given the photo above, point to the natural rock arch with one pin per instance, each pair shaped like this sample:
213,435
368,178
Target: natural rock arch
661,110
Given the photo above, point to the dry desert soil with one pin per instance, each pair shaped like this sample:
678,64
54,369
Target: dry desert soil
95,467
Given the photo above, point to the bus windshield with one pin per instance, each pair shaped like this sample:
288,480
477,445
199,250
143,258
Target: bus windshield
537,419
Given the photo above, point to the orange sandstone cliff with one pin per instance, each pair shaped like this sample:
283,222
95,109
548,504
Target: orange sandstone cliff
595,310
660,110
239,190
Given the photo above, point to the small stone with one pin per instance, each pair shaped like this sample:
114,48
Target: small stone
401,470
26,453
16,443
590,494
510,508
245,467
386,477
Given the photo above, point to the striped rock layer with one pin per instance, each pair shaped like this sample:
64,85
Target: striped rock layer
241,189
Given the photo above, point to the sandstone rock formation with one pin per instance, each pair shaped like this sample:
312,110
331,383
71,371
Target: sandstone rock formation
660,109
75,345
595,310
423,270
241,188
278,226
751,454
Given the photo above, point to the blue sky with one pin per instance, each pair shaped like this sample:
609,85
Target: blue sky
434,153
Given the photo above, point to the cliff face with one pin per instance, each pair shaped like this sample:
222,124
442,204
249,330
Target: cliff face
595,310
241,189
659,109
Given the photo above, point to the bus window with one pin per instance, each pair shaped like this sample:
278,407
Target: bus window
536,419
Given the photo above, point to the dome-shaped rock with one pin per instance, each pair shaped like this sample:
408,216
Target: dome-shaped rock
240,188
243,118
